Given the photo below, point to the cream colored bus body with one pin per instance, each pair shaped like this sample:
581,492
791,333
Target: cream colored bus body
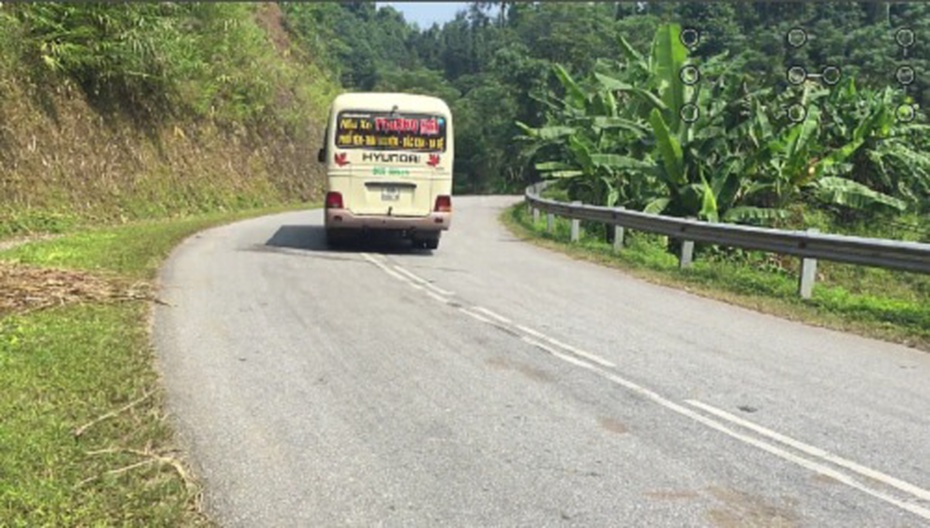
390,188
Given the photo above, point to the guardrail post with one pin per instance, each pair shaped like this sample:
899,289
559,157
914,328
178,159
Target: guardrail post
808,273
576,225
535,215
618,235
687,252
550,222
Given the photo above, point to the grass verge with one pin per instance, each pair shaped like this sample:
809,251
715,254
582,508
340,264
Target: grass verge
84,439
874,303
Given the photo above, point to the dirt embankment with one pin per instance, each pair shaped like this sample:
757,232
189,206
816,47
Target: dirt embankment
64,159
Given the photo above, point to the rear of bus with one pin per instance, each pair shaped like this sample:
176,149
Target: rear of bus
389,166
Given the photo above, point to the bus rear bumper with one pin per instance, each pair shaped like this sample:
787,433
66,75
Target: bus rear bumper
343,219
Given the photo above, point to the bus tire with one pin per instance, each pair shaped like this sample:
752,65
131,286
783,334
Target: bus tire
430,243
334,239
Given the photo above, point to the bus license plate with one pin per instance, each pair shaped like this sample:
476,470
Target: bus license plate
390,194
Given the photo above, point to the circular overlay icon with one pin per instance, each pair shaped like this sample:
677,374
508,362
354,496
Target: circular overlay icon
689,112
797,75
689,74
796,113
904,37
905,113
690,37
831,75
796,37
905,75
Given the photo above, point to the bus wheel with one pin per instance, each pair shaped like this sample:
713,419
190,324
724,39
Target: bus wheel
334,239
430,243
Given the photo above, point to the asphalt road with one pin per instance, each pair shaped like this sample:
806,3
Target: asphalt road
494,383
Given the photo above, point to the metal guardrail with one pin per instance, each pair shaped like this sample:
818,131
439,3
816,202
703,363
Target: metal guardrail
809,245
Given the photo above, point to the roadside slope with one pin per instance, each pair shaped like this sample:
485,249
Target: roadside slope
216,139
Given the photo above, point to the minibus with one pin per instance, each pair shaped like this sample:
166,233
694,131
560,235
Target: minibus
388,163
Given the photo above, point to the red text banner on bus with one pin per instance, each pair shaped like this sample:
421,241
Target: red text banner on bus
386,131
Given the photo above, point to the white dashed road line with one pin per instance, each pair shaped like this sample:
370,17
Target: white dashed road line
493,315
422,281
578,352
597,365
474,315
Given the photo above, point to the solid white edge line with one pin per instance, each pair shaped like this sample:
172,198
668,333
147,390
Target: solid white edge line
587,355
817,452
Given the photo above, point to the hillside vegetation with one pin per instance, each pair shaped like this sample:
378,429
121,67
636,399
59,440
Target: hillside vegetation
594,67
111,113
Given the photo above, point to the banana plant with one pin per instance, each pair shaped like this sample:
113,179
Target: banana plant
618,137
813,155
882,155
589,138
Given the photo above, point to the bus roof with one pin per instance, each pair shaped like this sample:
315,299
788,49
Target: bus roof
385,101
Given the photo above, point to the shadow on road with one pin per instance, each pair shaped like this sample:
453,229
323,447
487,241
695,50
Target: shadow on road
313,238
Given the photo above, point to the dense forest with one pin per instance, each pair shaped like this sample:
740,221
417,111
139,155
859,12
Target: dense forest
594,95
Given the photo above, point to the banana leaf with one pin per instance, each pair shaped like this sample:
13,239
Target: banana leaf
657,206
634,57
611,83
547,132
849,193
669,148
757,214
617,161
574,92
668,57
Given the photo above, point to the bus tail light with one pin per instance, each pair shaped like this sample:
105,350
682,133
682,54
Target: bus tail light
334,200
443,204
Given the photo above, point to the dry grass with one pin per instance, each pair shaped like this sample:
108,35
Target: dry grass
27,288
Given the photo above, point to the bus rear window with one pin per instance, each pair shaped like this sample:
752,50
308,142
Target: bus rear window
385,131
